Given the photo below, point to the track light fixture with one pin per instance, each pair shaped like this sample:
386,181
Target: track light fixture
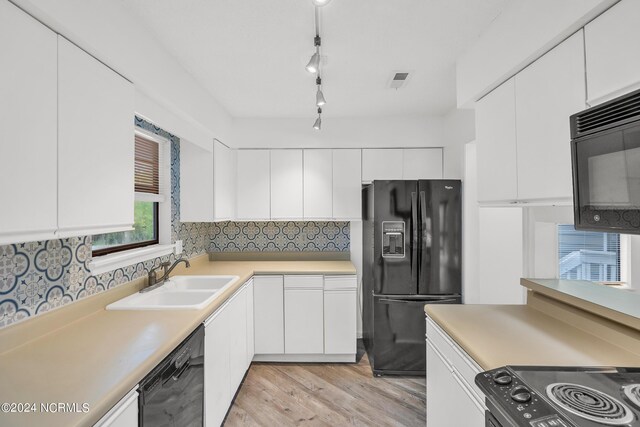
318,123
320,101
314,63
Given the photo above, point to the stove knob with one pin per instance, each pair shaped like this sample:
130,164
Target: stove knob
521,394
502,378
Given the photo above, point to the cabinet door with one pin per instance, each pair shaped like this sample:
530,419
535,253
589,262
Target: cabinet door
547,93
224,182
28,119
613,58
450,403
381,164
196,183
217,373
268,303
347,186
303,315
286,184
496,139
250,324
95,145
238,339
123,414
340,322
253,184
318,184
422,163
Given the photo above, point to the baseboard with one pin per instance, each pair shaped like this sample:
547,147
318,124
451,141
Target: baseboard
305,358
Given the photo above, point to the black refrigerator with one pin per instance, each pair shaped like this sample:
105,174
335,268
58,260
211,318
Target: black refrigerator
412,256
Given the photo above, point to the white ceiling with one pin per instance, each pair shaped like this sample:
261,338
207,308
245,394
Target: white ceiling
250,54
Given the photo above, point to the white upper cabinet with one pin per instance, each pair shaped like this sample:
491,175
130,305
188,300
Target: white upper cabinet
196,183
253,185
28,119
496,139
347,193
547,93
612,54
224,182
318,184
95,145
422,163
286,184
382,164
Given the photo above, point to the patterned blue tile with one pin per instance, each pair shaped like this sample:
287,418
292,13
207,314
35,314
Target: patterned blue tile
36,277
286,236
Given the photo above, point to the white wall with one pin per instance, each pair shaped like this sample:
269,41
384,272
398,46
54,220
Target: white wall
109,32
471,225
459,129
416,131
521,34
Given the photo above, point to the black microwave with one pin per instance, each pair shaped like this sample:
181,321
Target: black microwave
605,152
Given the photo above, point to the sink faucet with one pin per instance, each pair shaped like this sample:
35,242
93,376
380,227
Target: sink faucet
155,282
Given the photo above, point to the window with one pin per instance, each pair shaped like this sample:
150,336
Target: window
588,255
147,199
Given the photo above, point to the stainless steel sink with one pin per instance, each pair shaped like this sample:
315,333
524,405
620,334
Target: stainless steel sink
179,293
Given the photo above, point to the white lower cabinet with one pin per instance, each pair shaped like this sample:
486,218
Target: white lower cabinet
225,355
238,338
303,315
268,314
340,300
454,400
123,414
250,324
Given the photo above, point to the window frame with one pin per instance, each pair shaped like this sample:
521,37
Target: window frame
164,168
136,245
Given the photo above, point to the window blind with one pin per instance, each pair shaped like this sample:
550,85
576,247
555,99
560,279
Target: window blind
588,255
147,166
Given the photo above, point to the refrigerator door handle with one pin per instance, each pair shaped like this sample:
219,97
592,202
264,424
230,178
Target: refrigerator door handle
426,229
414,234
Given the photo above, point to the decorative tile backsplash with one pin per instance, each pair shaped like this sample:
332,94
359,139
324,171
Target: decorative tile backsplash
36,277
281,236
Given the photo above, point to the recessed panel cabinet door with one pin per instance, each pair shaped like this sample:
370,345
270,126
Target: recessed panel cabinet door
496,139
28,127
612,54
286,184
547,93
254,199
347,185
318,184
95,145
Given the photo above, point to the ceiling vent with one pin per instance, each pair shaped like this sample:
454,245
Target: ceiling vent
399,79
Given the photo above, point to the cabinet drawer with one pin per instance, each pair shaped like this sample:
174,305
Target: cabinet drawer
303,282
461,362
339,283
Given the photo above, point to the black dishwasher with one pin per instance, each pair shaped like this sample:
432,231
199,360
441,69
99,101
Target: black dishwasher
172,395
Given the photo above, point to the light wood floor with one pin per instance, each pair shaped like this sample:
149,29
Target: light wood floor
326,395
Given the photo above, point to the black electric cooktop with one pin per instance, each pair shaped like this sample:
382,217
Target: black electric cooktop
539,396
